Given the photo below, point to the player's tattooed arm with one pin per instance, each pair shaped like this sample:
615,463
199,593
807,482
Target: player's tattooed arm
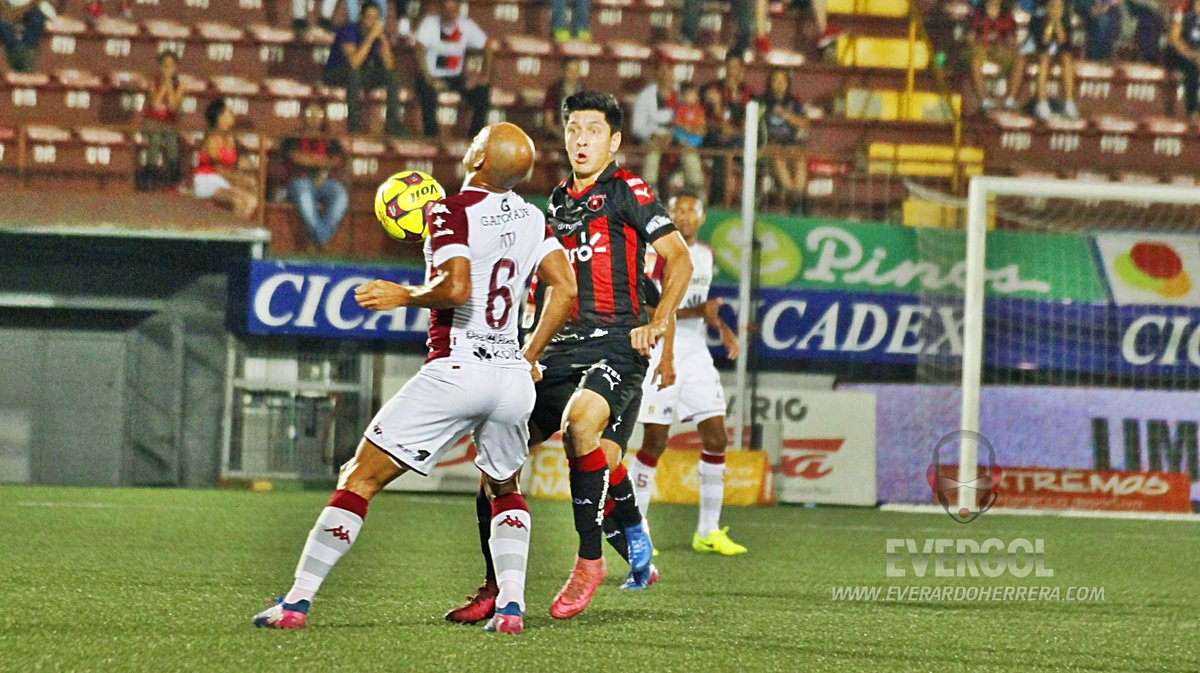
556,276
450,287
677,273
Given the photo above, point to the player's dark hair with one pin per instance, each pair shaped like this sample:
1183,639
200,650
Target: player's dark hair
368,4
600,102
688,194
168,54
213,112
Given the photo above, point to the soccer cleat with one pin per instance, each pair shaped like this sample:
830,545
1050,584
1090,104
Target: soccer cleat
508,619
717,541
637,581
478,607
577,592
283,615
641,550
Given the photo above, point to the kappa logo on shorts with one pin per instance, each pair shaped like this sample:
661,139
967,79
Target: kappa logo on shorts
482,353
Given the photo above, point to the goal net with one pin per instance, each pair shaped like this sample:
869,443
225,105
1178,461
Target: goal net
1065,330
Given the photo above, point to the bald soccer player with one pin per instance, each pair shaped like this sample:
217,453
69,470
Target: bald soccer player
485,244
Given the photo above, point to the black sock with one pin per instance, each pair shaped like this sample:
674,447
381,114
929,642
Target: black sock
620,489
615,535
483,516
589,488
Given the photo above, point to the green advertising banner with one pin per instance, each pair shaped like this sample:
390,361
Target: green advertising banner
849,256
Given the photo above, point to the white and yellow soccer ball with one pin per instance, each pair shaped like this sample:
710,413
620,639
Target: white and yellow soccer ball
399,202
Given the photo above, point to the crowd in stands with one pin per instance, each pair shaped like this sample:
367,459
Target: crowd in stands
678,128
1161,32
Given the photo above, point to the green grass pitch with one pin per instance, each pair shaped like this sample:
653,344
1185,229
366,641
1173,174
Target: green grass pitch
167,580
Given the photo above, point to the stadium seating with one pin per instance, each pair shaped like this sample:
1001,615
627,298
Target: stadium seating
76,120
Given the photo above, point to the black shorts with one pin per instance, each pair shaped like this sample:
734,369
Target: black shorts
606,365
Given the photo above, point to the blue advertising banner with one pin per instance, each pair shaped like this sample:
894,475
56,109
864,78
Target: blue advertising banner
289,298
1019,333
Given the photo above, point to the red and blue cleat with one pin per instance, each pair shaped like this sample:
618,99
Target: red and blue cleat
637,580
508,619
283,615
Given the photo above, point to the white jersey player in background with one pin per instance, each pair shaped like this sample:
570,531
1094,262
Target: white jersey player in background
696,395
484,245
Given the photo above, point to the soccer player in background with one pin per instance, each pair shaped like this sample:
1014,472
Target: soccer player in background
485,243
696,396
605,217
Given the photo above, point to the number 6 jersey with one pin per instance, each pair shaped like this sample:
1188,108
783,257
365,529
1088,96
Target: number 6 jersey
505,239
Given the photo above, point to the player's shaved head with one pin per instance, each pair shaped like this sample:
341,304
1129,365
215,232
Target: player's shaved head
502,156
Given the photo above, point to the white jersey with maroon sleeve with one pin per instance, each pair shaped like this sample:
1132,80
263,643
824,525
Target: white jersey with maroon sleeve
505,239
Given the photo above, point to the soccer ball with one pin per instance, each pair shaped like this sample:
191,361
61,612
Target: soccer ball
399,202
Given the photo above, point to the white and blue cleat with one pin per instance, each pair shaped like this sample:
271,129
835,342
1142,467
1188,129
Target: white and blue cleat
636,581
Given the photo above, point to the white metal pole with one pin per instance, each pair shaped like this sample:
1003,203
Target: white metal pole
972,363
749,189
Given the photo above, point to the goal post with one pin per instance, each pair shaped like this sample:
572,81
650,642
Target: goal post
983,204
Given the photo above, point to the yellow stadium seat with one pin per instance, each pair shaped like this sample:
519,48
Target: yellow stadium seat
888,105
891,8
880,52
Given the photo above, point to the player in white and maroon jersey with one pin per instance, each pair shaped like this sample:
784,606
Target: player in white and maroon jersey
696,396
485,243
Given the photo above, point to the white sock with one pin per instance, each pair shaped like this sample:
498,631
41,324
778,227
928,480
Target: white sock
335,531
712,492
509,542
641,474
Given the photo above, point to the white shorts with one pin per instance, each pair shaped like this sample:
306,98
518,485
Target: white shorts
696,396
446,400
207,184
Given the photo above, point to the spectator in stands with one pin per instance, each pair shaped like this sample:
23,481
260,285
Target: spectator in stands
1183,51
160,116
993,39
1102,23
689,128
444,41
570,83
1150,27
1050,39
720,134
320,199
218,175
734,90
326,10
22,23
360,60
95,10
580,20
785,127
653,116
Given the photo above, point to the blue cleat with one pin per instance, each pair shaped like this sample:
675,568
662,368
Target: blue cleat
636,581
640,548
508,619
283,615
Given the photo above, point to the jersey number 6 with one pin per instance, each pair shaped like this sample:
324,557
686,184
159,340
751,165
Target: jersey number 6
499,290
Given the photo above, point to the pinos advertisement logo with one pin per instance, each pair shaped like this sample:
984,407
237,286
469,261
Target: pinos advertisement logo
1155,267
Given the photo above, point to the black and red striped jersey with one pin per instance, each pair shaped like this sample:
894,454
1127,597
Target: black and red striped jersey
604,230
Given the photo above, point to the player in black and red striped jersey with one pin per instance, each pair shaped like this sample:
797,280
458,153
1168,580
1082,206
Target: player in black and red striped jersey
604,216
